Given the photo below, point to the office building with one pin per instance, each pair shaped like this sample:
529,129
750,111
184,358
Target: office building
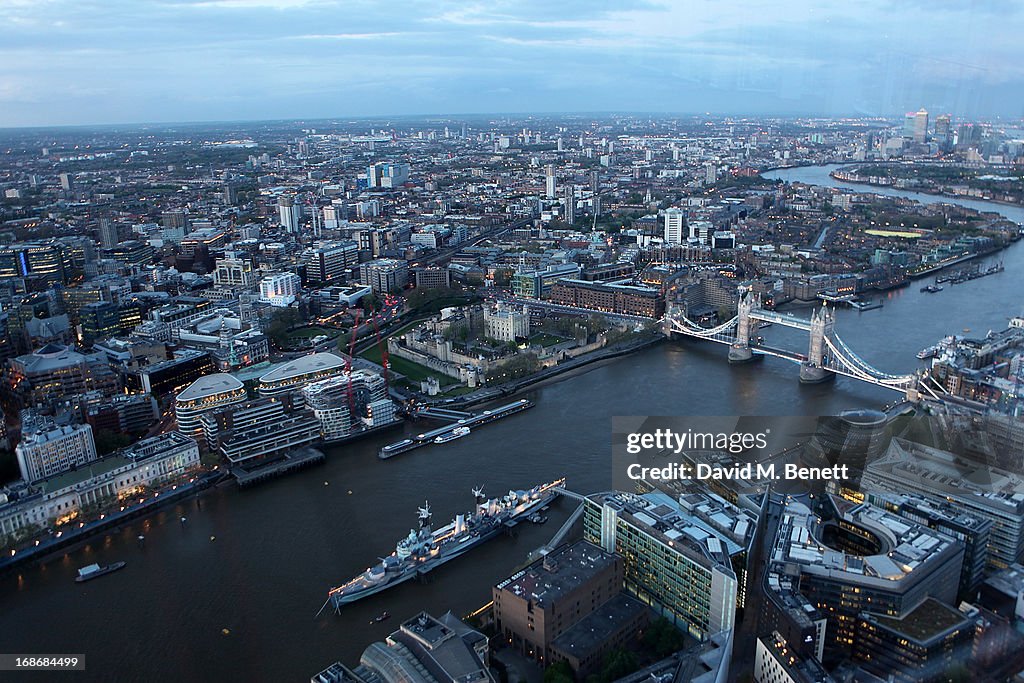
921,646
855,558
295,374
130,472
673,563
987,492
109,234
164,377
124,413
944,131
620,299
432,278
384,175
47,449
262,428
53,372
44,260
675,226
971,529
775,661
233,271
384,275
105,319
280,289
289,214
536,605
915,126
205,394
537,284
328,262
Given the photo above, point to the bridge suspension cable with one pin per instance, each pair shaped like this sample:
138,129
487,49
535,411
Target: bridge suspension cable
684,324
857,365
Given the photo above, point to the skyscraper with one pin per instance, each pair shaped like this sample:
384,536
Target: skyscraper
386,175
675,226
289,213
920,126
570,206
108,234
915,126
550,182
943,130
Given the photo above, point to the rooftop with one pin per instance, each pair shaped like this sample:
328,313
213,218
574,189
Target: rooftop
929,620
209,385
588,634
905,545
675,525
560,573
313,363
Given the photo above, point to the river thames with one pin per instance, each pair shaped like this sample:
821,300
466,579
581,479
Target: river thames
258,563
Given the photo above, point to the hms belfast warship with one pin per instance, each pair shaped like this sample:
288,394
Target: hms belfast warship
425,548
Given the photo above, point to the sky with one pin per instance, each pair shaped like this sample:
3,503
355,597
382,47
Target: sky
78,62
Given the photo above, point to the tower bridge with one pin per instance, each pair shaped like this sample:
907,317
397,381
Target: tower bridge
827,354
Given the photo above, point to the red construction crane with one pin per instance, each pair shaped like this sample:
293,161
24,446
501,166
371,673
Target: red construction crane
348,361
383,350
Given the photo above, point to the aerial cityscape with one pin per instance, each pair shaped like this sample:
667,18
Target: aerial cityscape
604,392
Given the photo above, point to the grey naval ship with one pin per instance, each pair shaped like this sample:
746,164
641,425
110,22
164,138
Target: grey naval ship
426,548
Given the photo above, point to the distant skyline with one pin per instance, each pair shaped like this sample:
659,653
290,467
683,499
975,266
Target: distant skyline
131,61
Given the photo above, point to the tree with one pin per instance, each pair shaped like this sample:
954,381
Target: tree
559,672
370,303
343,341
617,664
663,639
282,320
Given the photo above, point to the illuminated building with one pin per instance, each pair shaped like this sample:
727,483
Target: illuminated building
152,462
921,646
855,558
384,275
328,262
988,492
45,260
295,374
50,373
187,366
610,298
104,319
673,562
47,449
205,394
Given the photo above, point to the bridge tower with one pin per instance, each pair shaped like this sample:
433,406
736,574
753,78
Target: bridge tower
813,369
739,350
673,309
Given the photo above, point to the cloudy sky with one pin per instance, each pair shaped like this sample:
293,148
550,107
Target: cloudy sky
116,61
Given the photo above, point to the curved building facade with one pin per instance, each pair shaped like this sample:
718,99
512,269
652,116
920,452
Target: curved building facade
205,394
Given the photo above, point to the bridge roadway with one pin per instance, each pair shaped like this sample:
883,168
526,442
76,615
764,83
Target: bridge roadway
827,354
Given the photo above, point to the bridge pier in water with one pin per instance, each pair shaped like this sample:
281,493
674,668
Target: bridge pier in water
739,350
813,370
827,355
